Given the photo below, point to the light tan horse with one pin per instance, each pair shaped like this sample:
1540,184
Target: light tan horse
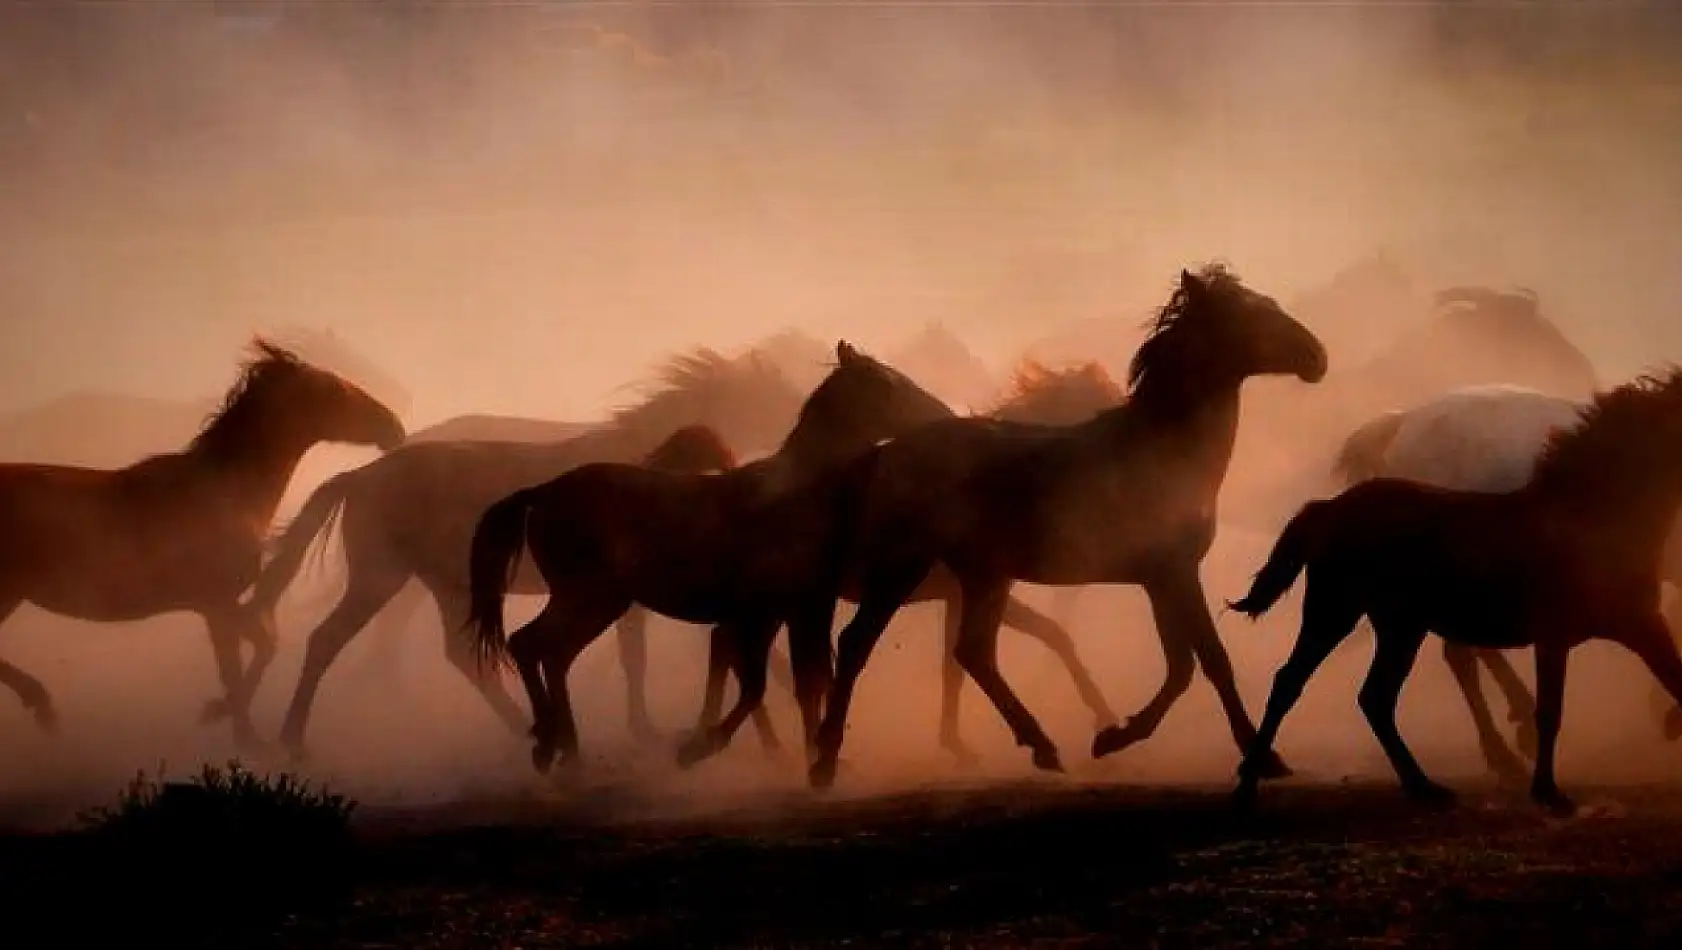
182,531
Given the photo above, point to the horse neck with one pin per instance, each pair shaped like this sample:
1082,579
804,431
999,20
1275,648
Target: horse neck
815,445
259,464
1627,519
1199,433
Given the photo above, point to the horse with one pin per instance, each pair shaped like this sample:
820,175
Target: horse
1038,394
747,549
1480,438
1571,555
1473,335
1128,497
179,531
409,515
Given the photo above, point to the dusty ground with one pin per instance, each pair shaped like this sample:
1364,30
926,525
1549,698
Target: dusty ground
1015,864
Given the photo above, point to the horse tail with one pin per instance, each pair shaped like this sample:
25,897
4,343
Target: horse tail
288,548
1362,454
492,560
1303,538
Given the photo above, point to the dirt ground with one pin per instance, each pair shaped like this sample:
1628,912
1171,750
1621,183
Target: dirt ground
1041,863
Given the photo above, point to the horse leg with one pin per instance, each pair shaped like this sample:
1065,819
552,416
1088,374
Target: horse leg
724,656
1551,657
1055,636
453,612
1521,706
229,626
1180,663
752,648
1672,716
1652,642
1463,662
545,649
1062,606
632,638
952,683
812,661
367,589
1180,606
882,595
1327,620
1393,659
34,695
978,653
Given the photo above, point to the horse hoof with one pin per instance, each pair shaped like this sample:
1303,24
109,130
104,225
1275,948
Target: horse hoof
1432,795
1112,739
1509,771
46,718
1271,766
822,774
1047,760
542,757
1556,803
214,711
695,750
963,755
645,734
1245,799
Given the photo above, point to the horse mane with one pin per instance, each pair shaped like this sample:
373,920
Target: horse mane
1033,385
683,378
267,361
1163,329
1616,432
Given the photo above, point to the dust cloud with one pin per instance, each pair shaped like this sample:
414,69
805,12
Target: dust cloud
519,209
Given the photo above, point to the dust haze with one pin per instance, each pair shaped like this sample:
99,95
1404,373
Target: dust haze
521,210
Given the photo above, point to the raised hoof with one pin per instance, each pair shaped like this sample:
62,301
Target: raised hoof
1112,739
214,711
696,749
1673,724
1431,795
46,718
1556,803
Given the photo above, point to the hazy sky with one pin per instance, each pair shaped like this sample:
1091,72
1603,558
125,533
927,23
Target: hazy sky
515,212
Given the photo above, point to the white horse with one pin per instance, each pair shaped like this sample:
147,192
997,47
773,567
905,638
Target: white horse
1485,438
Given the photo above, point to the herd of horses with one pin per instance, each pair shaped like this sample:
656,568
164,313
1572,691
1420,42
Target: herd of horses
1497,516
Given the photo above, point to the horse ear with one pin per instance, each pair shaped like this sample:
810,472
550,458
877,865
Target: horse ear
1191,283
844,352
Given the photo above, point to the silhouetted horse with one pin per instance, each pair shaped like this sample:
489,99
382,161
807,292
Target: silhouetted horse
1571,556
410,515
182,531
748,548
1480,438
1127,497
1038,394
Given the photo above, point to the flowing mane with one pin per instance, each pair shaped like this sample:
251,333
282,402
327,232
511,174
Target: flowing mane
1615,436
698,376
1040,393
1165,331
257,373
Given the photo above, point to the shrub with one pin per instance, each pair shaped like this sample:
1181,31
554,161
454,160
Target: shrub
226,846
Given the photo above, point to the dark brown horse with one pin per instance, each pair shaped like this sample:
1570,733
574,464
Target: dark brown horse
182,531
1127,498
748,549
1038,394
1572,555
410,514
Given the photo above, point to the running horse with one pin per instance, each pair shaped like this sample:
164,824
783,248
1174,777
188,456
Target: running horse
182,531
748,549
1570,556
1128,497
1038,394
409,515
